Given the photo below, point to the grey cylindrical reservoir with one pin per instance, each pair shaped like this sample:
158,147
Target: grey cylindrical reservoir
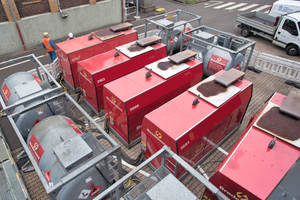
48,142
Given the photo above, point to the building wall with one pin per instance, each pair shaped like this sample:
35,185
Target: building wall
80,19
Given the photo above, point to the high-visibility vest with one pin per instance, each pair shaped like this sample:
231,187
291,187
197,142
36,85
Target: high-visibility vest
46,42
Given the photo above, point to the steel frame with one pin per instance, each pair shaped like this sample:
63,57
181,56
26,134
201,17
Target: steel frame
165,153
115,151
178,12
233,54
55,90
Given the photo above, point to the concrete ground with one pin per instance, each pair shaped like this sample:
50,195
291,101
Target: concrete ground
264,86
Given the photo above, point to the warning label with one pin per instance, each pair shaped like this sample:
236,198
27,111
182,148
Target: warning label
6,94
75,128
36,149
95,191
84,194
190,34
37,79
216,63
48,175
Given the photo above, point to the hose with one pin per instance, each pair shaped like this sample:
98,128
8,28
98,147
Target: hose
125,157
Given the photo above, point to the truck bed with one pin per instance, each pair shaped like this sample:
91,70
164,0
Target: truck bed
257,20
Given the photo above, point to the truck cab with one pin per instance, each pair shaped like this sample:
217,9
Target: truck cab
287,33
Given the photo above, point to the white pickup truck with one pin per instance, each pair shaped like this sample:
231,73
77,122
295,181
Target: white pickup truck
282,31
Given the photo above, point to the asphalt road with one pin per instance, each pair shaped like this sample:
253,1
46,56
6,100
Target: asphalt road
216,14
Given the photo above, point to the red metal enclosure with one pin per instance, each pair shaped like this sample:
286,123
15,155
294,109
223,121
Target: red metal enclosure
128,99
252,170
104,68
192,129
72,51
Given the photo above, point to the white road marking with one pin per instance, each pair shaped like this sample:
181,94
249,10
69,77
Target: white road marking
203,172
25,61
261,8
236,6
224,5
222,150
138,26
206,5
248,7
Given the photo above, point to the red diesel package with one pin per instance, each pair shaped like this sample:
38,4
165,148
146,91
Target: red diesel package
106,67
195,122
128,99
72,51
264,164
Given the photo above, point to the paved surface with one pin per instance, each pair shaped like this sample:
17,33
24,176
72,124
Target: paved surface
264,86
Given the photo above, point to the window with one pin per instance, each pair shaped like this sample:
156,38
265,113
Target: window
290,26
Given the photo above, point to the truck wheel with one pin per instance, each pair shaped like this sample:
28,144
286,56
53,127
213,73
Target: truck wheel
245,32
292,50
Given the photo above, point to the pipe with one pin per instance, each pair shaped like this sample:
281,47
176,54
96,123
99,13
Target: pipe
137,8
122,9
17,25
63,15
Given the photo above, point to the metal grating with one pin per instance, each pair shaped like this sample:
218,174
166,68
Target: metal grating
139,192
3,153
4,190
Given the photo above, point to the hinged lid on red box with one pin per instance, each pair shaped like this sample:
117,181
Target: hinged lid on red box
133,49
166,68
149,40
213,92
121,27
182,56
106,34
275,123
291,105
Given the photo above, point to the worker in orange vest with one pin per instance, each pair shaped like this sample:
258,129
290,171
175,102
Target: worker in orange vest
49,46
71,36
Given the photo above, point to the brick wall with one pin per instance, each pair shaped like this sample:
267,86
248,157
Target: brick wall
3,16
68,4
34,7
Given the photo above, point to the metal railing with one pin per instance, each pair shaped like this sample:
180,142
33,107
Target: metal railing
56,89
104,156
117,189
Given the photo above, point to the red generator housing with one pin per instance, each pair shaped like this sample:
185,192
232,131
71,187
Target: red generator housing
143,92
72,51
106,67
262,166
198,120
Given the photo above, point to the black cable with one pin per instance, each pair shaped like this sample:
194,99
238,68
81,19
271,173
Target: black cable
78,96
124,156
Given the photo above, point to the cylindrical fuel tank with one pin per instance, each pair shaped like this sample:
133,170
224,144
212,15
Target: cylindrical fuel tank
28,120
19,85
175,37
42,141
217,59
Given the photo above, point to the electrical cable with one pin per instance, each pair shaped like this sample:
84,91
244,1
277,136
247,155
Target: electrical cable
83,127
125,157
74,105
65,89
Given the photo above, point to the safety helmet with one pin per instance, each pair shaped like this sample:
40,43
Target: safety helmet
46,34
70,35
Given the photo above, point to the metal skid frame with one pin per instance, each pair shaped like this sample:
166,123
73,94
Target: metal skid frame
165,153
54,90
106,156
204,44
178,12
